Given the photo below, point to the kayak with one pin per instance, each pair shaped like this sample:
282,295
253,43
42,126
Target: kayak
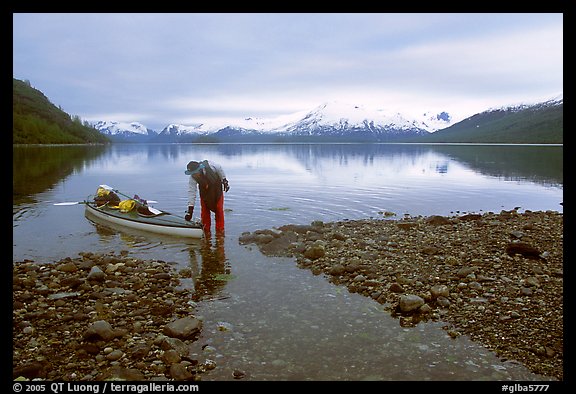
155,221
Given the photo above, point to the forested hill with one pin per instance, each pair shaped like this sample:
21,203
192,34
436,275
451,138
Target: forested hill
35,120
536,124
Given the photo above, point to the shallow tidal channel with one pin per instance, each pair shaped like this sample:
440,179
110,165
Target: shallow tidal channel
275,321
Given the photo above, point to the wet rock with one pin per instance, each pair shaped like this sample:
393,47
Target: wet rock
407,225
531,282
171,356
465,271
470,216
410,303
315,251
280,245
246,238
443,302
523,249
180,371
209,364
179,346
359,278
431,250
114,355
437,220
337,270
59,296
98,330
30,370
439,290
67,267
121,373
183,328
96,274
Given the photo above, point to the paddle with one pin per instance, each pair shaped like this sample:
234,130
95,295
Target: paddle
70,203
110,188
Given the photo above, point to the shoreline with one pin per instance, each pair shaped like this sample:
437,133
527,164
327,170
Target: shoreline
496,277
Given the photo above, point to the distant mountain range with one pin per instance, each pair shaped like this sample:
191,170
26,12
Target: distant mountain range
333,121
339,122
37,121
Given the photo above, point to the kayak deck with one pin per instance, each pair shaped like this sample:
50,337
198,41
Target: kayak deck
162,223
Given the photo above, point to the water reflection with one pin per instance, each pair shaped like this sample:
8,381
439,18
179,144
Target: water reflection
206,257
210,268
38,168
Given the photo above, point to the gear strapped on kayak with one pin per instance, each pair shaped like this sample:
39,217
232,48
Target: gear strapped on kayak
135,213
108,198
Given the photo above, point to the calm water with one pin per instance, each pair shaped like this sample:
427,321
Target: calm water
264,315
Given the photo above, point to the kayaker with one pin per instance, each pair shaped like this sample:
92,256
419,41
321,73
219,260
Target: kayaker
209,178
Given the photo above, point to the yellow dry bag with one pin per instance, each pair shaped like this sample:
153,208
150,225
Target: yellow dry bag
126,205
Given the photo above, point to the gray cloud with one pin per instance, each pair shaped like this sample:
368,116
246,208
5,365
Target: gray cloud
174,68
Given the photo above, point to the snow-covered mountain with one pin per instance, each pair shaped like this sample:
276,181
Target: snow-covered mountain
329,122
554,101
540,123
126,132
336,118
333,121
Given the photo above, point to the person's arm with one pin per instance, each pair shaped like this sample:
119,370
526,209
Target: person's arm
192,187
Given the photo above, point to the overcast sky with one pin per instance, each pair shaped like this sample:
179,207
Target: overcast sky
159,69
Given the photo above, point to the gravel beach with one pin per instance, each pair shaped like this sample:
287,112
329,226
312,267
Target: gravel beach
496,277
98,317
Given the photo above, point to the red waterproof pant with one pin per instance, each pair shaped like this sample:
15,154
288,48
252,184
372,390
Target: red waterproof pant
218,215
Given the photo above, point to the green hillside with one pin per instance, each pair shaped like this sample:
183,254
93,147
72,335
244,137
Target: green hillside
35,120
538,124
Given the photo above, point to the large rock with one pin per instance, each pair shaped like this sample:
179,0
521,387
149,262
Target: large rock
439,291
184,328
100,329
523,249
410,303
96,274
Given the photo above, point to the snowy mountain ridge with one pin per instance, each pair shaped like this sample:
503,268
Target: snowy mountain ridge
118,128
330,121
332,114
